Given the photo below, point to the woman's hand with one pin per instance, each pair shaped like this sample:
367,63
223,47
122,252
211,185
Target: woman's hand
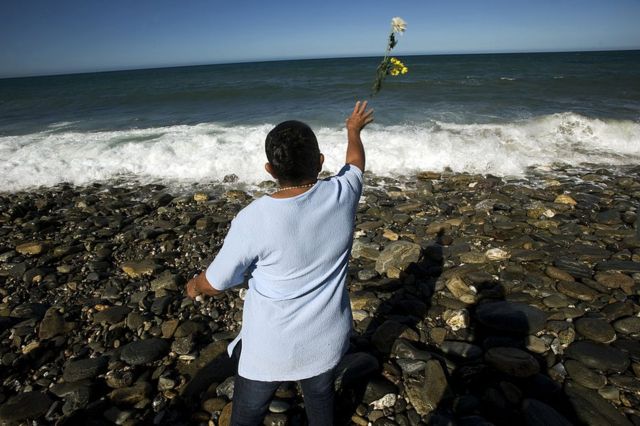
359,118
190,289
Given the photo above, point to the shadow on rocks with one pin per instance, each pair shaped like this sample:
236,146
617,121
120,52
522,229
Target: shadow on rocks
456,348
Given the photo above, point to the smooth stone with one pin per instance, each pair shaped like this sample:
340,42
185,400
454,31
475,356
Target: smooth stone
473,257
27,405
279,406
577,290
595,329
140,268
425,393
227,387
614,280
167,281
144,351
511,317
31,248
512,361
628,325
397,255
225,415
584,376
364,300
598,356
275,419
497,254
411,367
84,369
111,315
576,268
558,274
591,408
537,413
565,199
213,405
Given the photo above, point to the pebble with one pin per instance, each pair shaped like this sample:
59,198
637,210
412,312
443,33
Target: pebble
144,351
512,361
598,356
595,329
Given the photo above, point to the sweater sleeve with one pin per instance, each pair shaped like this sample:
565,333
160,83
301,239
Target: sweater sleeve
350,179
232,261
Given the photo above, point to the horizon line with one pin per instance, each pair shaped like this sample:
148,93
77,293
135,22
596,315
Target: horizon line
301,58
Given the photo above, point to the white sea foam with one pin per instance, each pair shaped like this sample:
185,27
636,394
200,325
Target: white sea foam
208,152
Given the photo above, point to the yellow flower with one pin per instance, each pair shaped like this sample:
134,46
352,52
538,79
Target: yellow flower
404,70
394,72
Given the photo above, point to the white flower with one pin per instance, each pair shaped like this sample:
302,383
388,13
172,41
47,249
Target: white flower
398,25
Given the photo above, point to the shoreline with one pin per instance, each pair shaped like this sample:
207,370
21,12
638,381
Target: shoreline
474,298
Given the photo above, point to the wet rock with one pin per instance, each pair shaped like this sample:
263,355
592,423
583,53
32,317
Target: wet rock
52,325
27,405
512,361
621,266
598,356
558,274
84,369
396,257
614,280
511,317
144,351
595,329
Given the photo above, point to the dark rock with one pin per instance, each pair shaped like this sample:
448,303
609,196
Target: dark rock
461,349
537,413
405,350
84,369
577,290
52,324
584,376
628,325
132,394
591,408
386,334
144,351
512,361
27,405
111,315
595,329
623,266
396,257
376,388
353,368
598,356
511,317
576,268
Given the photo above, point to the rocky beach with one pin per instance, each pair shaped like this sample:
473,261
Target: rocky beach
476,299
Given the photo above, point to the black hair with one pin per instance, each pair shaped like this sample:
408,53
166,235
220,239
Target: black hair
292,149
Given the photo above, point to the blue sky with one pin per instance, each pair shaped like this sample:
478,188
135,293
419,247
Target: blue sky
61,36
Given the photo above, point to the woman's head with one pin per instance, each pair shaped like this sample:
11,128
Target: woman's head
293,153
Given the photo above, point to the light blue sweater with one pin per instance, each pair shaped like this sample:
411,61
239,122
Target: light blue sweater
297,316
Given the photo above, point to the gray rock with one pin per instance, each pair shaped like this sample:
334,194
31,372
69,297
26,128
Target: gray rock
27,405
226,388
595,329
167,281
366,250
52,324
425,393
584,376
397,256
144,351
623,266
84,369
386,334
591,408
598,356
511,317
512,361
577,290
376,388
112,315
628,325
538,413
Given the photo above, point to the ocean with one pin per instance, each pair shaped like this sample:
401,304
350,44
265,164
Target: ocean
500,114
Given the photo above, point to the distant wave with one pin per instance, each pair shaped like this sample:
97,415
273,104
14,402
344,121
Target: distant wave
208,152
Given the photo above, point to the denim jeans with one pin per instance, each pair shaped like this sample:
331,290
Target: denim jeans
251,399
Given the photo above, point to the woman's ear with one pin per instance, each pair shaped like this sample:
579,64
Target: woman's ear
321,162
269,168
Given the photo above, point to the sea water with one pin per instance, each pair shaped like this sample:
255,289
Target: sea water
500,113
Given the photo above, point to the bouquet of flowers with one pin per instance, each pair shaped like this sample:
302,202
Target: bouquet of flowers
390,65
